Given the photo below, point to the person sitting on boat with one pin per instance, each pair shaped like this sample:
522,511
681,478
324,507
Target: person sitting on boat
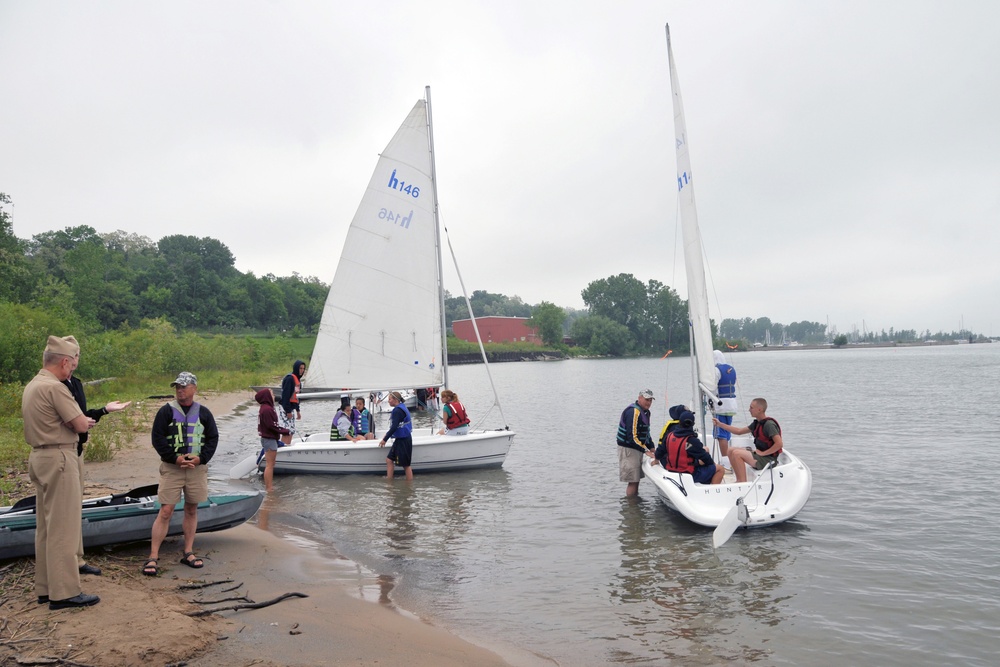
766,437
456,420
675,419
725,379
686,453
342,427
634,441
400,428
363,424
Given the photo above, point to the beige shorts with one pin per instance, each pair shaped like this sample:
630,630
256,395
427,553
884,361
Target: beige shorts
629,464
174,479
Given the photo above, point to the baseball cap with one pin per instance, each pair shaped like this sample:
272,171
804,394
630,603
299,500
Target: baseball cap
647,393
184,379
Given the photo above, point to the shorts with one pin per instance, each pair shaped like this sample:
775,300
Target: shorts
401,451
629,464
174,479
458,430
722,434
761,461
286,421
269,444
704,474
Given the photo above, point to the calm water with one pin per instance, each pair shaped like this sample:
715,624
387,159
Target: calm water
892,562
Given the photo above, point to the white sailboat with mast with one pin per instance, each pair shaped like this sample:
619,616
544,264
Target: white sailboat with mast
383,325
770,496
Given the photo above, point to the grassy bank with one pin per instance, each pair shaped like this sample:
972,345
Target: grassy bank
135,367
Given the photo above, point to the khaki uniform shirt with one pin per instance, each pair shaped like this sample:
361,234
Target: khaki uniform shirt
46,407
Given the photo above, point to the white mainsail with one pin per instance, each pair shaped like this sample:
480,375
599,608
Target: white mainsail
381,326
695,269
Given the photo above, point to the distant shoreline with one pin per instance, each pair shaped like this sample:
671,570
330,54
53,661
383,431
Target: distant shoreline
854,346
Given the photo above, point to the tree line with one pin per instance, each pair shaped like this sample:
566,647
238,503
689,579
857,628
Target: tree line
118,281
114,280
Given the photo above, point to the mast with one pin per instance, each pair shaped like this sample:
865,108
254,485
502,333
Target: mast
437,237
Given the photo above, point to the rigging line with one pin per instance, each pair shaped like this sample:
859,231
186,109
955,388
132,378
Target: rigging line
472,316
718,309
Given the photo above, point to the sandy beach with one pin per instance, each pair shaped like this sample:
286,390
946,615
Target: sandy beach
146,621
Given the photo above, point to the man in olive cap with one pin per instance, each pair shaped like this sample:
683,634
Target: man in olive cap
185,437
634,441
52,422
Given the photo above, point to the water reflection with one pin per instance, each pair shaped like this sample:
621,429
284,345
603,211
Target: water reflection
682,601
400,530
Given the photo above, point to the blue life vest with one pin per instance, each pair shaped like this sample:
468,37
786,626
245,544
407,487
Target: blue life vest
727,383
405,427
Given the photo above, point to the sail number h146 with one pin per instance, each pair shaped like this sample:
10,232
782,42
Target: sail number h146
404,188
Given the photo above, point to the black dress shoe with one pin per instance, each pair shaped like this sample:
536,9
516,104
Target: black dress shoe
90,569
81,600
43,599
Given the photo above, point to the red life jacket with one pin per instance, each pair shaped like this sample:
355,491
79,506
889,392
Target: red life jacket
678,459
295,392
456,416
760,439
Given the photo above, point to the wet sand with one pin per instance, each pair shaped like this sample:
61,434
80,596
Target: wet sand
145,620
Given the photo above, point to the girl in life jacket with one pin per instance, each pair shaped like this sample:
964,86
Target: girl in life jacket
456,421
686,453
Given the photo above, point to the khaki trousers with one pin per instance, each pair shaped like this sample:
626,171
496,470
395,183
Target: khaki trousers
55,472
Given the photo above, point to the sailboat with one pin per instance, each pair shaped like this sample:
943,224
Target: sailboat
383,325
768,497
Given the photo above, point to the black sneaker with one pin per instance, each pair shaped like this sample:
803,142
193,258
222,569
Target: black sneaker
81,600
43,599
90,569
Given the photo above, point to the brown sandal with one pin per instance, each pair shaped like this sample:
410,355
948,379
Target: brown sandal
150,569
191,560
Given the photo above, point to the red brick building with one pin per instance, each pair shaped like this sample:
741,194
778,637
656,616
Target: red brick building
497,330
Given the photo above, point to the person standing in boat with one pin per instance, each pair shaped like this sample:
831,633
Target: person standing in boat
185,438
291,384
270,431
342,427
725,379
400,428
766,438
52,422
456,420
686,453
634,441
364,426
76,388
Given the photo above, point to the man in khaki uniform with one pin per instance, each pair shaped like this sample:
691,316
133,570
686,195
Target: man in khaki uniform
52,420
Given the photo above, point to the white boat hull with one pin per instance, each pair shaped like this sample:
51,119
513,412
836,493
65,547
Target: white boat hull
431,453
774,496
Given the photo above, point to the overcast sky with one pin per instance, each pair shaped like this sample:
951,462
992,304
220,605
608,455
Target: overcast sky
846,155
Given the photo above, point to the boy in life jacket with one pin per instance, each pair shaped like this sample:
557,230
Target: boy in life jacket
661,446
686,453
766,438
342,427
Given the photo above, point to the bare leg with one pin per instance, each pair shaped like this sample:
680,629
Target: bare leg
269,459
190,525
409,473
720,472
390,468
632,489
740,459
160,527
